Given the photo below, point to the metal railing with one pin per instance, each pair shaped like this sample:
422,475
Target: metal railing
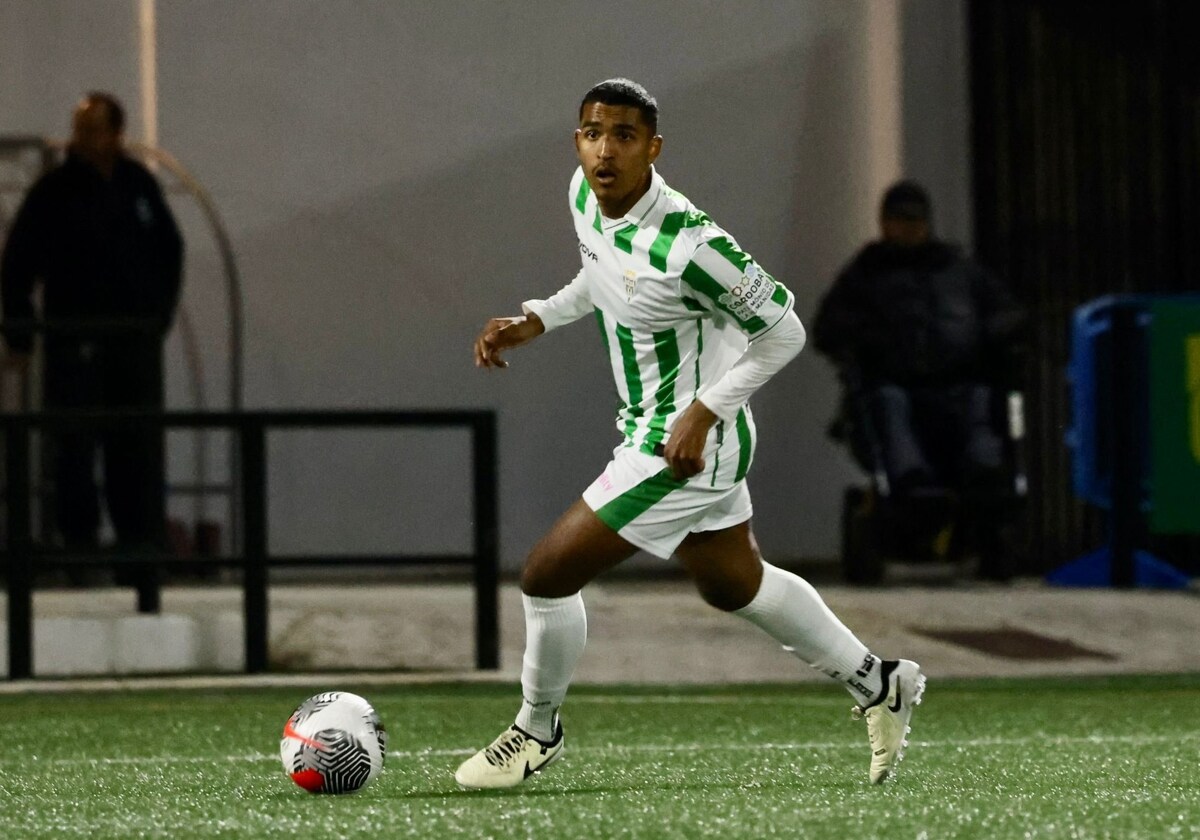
249,430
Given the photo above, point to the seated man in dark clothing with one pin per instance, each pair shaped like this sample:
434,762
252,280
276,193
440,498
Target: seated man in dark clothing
926,336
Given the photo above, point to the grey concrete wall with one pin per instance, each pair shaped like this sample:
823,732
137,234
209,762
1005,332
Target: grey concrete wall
393,173
937,110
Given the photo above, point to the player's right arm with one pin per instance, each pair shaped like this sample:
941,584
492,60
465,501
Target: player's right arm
570,303
500,334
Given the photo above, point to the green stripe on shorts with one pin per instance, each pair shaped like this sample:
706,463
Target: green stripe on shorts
745,446
712,482
634,502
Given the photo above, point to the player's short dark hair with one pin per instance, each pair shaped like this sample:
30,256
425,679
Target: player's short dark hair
624,92
112,107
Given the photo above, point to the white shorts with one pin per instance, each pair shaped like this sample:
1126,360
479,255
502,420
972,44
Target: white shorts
637,497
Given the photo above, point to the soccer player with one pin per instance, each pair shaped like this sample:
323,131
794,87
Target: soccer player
692,326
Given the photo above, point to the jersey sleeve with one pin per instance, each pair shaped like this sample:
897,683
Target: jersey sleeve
568,304
763,359
723,278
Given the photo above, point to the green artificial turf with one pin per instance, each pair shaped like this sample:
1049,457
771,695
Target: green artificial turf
1077,758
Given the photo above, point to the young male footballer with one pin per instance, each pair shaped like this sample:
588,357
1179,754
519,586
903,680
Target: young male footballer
693,326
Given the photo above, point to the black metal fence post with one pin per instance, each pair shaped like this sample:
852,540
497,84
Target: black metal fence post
253,446
487,551
20,547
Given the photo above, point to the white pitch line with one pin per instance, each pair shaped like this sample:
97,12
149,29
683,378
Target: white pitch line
709,700
1061,740
1096,740
153,760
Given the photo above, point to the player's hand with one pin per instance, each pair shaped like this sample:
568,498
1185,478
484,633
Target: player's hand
500,334
684,452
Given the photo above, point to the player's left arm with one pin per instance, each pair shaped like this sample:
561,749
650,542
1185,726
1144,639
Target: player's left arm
765,357
727,280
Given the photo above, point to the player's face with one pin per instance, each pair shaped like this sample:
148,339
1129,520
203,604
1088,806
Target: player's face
616,148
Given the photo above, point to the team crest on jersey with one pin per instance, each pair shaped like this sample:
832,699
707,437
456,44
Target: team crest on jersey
630,284
748,297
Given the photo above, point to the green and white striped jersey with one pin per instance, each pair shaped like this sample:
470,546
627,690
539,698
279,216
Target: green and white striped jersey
676,301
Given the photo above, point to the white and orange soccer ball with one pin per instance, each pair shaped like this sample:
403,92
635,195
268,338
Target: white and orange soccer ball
333,743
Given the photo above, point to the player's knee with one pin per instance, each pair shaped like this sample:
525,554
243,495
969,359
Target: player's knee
539,581
536,585
726,594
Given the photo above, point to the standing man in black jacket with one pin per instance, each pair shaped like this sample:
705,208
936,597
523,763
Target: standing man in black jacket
927,335
97,234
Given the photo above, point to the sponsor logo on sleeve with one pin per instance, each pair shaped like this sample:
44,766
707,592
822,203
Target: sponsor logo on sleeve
750,295
588,253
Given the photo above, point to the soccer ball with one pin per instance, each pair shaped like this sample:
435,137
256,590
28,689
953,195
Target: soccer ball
333,743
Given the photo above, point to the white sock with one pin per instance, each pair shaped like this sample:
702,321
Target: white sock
792,613
555,633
